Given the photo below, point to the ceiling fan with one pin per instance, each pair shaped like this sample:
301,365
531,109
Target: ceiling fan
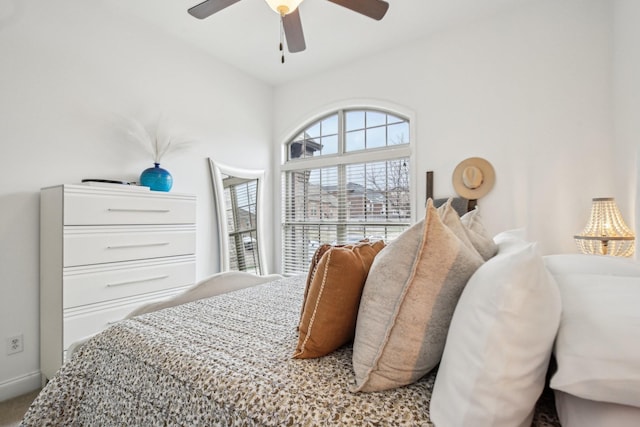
290,16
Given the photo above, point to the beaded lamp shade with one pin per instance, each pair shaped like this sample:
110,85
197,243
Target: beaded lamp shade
606,233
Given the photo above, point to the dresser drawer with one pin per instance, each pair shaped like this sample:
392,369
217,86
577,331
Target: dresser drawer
80,323
105,250
96,245
92,284
127,207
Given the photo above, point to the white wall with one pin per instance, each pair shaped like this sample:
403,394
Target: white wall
65,72
626,56
529,90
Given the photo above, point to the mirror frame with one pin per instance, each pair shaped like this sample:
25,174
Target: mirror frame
217,170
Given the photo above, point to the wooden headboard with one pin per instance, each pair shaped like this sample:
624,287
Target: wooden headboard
460,204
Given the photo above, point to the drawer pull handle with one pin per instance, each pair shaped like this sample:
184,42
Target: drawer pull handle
139,210
137,245
131,282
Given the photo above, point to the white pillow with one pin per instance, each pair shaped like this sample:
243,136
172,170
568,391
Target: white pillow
216,284
576,412
591,264
598,343
499,343
518,234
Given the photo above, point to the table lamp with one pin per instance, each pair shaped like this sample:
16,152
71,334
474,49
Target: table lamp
606,233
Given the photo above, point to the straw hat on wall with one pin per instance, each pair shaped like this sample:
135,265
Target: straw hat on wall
473,178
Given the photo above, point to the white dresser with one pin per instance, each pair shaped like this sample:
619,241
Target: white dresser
105,251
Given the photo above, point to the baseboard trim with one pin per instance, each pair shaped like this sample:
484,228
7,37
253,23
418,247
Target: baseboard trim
20,385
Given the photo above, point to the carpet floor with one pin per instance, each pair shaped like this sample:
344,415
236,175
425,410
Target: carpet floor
12,410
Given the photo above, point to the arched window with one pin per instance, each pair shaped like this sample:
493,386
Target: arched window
346,178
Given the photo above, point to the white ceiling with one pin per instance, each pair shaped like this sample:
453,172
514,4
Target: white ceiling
247,33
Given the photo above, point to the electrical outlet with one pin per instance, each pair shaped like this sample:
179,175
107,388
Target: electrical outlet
15,344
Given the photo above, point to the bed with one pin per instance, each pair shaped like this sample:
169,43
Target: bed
224,360
228,359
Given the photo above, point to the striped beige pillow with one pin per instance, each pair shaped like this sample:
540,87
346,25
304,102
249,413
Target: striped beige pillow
451,219
407,304
478,235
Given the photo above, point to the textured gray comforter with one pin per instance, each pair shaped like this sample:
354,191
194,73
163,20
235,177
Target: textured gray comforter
226,361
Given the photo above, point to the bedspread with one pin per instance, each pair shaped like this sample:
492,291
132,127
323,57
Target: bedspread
223,361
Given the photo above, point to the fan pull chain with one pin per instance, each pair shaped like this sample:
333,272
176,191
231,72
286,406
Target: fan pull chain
281,39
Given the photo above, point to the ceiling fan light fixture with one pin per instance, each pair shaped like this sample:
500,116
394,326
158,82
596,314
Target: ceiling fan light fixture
283,7
290,22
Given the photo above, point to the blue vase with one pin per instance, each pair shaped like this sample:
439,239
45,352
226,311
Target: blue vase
156,178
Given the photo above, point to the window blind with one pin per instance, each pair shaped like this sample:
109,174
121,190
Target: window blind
343,204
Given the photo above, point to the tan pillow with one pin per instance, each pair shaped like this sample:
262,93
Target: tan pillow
407,304
451,219
331,306
478,235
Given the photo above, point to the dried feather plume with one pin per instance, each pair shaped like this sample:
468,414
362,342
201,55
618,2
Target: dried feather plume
155,139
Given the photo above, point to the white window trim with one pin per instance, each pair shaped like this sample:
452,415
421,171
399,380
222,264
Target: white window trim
353,104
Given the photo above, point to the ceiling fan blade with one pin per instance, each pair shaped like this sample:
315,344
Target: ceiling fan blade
293,31
209,7
375,9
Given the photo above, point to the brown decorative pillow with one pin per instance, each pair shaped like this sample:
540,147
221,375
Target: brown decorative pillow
331,305
407,304
313,266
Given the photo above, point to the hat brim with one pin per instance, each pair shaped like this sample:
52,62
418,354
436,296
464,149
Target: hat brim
488,178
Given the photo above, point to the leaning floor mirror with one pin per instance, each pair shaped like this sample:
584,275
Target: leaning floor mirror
238,194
